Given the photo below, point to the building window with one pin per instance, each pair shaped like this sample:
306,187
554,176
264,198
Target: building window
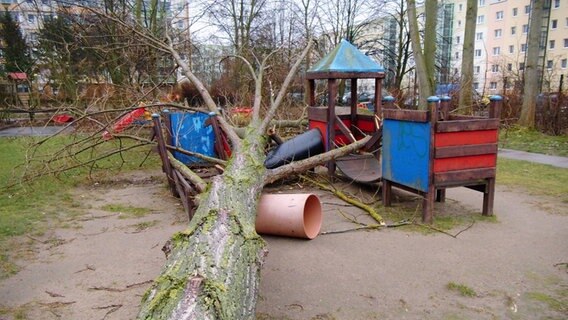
524,47
459,23
476,69
527,9
480,19
457,55
498,33
476,85
551,44
496,51
493,85
479,36
556,4
515,12
458,39
31,18
525,28
481,3
549,64
564,63
478,52
513,30
511,49
499,15
554,24
460,7
509,67
521,66
494,68
566,22
566,43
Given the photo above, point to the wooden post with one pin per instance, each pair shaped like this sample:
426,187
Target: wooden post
496,102
489,197
378,95
162,151
386,193
312,93
332,94
354,103
445,107
429,197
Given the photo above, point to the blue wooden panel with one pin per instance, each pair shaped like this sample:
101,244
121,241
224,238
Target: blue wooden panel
190,133
406,153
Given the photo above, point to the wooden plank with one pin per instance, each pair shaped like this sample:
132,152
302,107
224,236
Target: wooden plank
467,125
465,150
343,128
489,198
462,176
445,139
344,75
462,163
455,117
407,115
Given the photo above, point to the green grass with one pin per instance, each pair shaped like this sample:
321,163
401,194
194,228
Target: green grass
552,302
26,208
127,211
519,138
537,179
462,289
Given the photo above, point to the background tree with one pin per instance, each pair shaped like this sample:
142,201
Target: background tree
16,53
424,59
531,87
466,81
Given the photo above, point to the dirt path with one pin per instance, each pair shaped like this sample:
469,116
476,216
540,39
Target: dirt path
100,268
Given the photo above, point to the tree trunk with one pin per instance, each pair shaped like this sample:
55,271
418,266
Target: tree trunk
424,84
466,83
531,88
212,271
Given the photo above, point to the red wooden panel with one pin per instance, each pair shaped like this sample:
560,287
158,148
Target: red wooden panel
366,125
469,162
444,139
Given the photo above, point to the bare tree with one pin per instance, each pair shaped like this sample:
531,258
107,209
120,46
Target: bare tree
424,58
531,88
466,83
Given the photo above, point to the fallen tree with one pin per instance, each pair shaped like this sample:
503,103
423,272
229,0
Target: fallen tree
213,268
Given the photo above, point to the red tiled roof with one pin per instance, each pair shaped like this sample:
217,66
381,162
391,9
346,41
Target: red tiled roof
17,75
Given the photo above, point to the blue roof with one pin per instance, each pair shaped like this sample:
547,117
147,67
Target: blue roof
346,58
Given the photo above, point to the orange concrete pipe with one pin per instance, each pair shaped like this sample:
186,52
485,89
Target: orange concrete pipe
292,215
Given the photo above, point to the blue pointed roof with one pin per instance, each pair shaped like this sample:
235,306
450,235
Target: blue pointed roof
346,59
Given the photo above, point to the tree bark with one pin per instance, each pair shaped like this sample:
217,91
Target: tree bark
531,88
212,269
422,70
466,83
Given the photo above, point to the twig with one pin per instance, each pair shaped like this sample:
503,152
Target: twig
112,307
445,232
54,295
87,267
348,199
139,284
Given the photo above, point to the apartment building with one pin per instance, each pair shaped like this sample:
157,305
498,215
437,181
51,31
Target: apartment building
501,43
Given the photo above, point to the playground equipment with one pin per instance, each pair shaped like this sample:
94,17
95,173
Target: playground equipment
427,151
341,125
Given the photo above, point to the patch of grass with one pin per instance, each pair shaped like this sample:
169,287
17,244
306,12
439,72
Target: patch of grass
538,179
26,208
456,216
126,212
145,225
550,301
520,138
462,289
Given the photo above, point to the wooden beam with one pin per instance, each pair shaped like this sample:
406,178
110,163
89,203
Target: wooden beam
465,150
407,115
462,176
467,125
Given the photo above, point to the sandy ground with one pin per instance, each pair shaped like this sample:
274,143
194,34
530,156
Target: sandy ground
100,265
